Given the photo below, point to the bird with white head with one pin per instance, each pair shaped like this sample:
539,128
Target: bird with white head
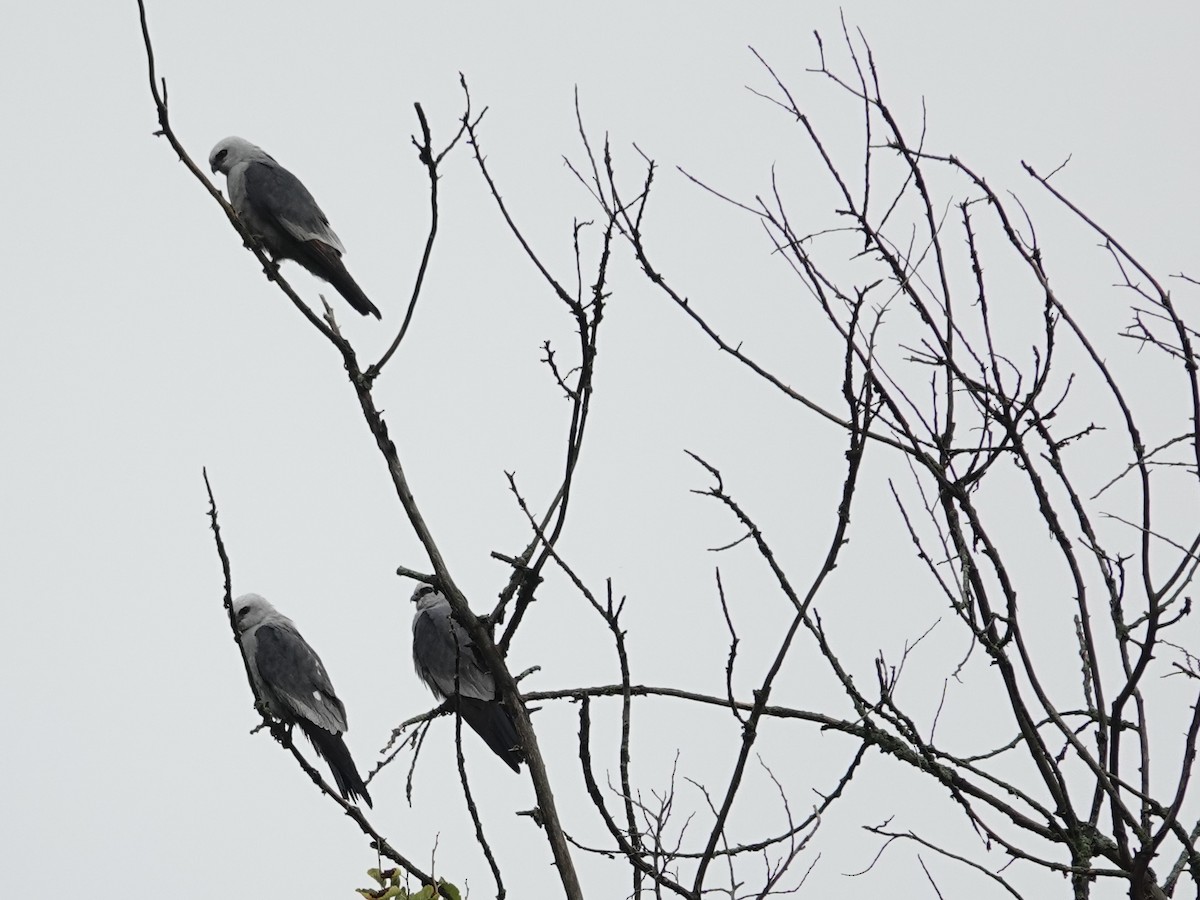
277,208
290,680
447,660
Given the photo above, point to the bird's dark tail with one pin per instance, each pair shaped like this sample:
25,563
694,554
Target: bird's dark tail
348,288
492,721
332,749
325,262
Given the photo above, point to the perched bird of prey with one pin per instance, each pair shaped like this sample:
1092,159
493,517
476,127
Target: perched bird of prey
277,209
439,646
291,680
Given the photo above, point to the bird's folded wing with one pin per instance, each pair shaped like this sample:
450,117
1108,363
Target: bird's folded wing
436,656
294,672
278,196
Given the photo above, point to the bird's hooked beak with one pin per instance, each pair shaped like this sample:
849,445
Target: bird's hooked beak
218,158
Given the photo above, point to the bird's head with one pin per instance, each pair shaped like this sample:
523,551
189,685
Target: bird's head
250,610
231,151
426,596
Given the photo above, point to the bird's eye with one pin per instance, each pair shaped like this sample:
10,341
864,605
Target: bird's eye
241,613
220,156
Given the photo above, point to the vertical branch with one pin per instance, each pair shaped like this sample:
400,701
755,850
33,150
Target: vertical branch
661,879
225,571
611,617
425,154
480,838
854,455
587,316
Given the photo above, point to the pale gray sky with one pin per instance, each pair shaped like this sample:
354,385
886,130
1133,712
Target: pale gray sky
142,343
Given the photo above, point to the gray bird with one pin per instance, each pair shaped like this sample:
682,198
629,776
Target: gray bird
277,209
291,680
439,644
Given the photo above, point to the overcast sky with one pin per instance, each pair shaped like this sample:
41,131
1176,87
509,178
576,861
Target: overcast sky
142,343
